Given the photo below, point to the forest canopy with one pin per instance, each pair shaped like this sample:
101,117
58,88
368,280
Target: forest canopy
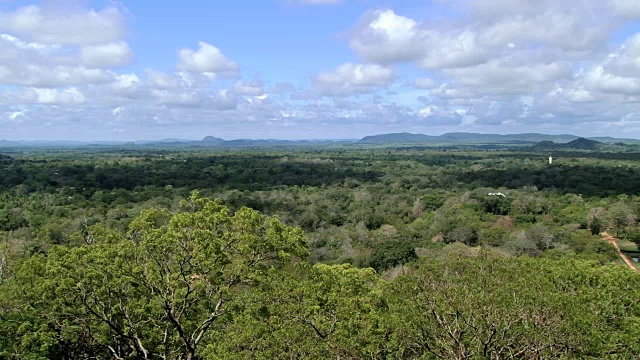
340,252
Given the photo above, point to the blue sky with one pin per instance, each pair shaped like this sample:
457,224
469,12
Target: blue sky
294,69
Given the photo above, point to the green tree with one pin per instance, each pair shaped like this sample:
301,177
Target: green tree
158,291
540,235
633,234
492,307
493,236
319,311
391,253
621,216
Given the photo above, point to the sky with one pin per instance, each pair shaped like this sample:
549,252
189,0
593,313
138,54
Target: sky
317,69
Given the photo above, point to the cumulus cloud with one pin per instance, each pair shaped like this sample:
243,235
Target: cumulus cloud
497,51
127,86
207,59
454,50
573,27
108,55
217,100
52,96
626,8
492,30
424,83
253,88
162,80
501,77
598,78
494,65
14,116
385,37
626,60
349,79
10,40
51,76
60,47
64,26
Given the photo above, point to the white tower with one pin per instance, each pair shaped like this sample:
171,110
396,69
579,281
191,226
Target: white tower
550,160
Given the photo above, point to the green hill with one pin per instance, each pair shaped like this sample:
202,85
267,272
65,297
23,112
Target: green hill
543,140
583,144
577,144
398,138
462,138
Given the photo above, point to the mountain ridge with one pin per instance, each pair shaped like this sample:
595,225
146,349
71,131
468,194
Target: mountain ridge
453,138
479,138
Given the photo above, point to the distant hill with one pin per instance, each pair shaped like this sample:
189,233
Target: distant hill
398,138
7,143
462,138
210,140
584,144
475,138
218,142
541,141
611,140
577,144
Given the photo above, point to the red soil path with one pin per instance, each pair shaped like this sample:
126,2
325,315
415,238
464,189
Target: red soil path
614,241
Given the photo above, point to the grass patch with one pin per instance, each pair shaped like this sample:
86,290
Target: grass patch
626,245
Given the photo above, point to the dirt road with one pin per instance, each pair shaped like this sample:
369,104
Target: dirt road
614,241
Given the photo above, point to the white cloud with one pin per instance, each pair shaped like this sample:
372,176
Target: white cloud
27,45
617,74
626,60
598,79
54,47
433,115
207,59
67,96
626,8
222,99
572,28
500,8
16,115
491,30
108,55
424,83
495,65
172,98
385,37
127,86
254,88
427,111
59,26
450,50
51,76
579,95
349,79
161,80
501,77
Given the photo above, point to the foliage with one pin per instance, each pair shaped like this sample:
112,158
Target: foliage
157,291
101,256
390,254
493,307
